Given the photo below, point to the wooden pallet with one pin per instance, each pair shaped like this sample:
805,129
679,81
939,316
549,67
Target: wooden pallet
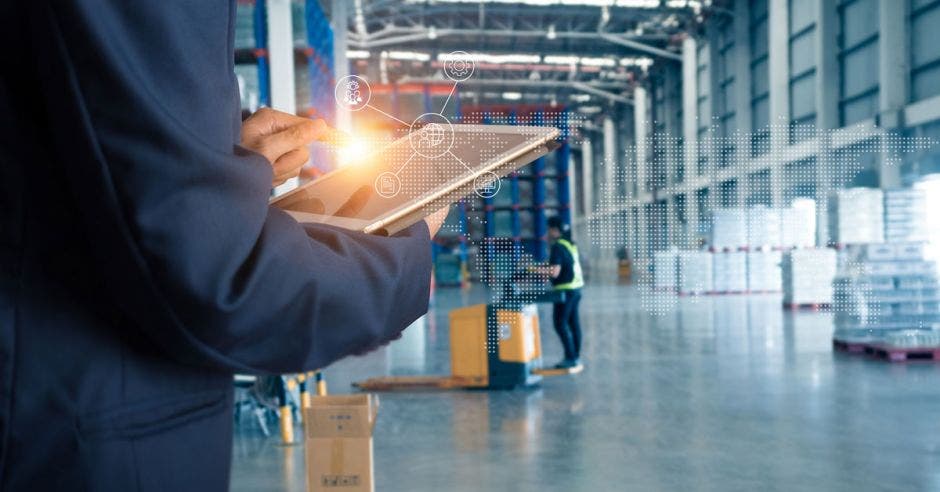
807,307
902,354
551,371
849,347
412,383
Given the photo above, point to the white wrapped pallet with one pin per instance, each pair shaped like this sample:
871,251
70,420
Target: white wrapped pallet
729,229
763,227
808,276
884,289
665,269
695,272
905,216
798,224
856,215
763,271
730,272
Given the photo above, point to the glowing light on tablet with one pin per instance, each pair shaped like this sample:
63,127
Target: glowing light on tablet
353,151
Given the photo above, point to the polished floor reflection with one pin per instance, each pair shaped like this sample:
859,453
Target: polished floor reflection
712,393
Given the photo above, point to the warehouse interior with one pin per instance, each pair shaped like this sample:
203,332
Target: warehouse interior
753,189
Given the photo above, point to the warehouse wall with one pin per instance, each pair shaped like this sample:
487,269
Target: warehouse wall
790,89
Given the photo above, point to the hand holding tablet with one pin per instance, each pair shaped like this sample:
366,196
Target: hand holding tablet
400,185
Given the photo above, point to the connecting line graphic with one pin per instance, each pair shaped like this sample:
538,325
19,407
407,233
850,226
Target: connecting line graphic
386,114
460,161
452,89
402,168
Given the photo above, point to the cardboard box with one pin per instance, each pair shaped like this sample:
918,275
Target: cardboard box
338,442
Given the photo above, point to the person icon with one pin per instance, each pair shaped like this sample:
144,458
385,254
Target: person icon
353,95
352,92
431,135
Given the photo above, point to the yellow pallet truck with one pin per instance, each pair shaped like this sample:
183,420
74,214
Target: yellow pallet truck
492,346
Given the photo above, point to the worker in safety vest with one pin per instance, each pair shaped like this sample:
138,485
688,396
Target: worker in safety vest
567,279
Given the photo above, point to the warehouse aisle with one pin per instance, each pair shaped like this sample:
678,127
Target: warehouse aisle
715,393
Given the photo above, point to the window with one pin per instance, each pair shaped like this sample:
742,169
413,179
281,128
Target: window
759,186
760,113
702,110
725,97
925,49
802,32
728,193
858,60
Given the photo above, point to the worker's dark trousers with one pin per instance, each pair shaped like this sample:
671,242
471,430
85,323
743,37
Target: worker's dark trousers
567,324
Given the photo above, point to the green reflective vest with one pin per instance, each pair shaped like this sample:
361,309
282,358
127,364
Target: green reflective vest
577,280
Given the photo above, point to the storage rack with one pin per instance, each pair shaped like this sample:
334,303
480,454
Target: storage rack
440,244
258,54
320,62
540,174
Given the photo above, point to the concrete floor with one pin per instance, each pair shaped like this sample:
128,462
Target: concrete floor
716,393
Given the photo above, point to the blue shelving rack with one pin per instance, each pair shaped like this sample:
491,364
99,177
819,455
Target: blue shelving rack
538,176
462,238
259,53
320,62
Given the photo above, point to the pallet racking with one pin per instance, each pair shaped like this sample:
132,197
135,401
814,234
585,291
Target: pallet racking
258,53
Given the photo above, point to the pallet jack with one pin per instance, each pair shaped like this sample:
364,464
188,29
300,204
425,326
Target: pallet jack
492,346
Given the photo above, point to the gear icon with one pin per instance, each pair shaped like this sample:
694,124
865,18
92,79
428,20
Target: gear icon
458,66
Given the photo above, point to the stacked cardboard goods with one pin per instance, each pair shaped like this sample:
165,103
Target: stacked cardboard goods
763,271
798,224
856,216
338,442
695,272
905,218
885,288
730,272
763,227
665,270
729,229
808,275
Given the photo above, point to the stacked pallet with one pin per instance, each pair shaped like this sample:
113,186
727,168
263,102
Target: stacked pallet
763,271
730,272
856,216
665,270
695,273
763,227
807,277
885,288
905,218
798,224
729,229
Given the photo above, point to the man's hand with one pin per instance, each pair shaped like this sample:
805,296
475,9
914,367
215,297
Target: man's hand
436,220
282,138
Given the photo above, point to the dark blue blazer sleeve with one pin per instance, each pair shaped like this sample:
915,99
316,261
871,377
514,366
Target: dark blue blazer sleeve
143,103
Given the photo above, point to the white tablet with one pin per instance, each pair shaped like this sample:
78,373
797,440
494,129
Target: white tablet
417,175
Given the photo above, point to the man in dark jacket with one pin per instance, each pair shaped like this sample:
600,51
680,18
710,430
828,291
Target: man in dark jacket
140,265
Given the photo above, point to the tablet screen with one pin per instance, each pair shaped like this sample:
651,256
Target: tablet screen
397,175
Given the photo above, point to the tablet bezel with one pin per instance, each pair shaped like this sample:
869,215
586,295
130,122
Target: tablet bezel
390,222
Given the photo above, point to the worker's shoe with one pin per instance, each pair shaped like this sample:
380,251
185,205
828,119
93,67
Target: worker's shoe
567,364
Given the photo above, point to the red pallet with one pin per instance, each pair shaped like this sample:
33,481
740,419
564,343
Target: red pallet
900,354
807,307
850,347
665,289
